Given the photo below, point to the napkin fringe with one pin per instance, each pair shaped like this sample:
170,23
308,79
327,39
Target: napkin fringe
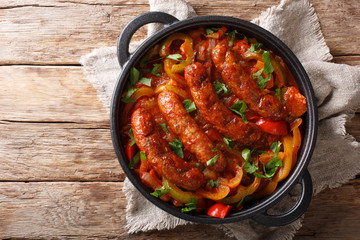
349,140
317,31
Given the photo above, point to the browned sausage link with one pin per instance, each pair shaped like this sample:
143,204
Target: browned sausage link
244,86
214,111
190,134
162,159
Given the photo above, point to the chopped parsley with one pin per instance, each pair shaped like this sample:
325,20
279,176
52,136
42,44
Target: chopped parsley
255,46
211,30
246,154
131,137
239,107
130,89
164,127
189,105
232,37
174,57
156,69
143,156
134,160
220,87
159,192
230,143
212,161
145,81
272,166
192,205
250,167
176,146
213,150
214,184
267,69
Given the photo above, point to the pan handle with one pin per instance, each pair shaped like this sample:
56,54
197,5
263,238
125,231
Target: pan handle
296,211
129,30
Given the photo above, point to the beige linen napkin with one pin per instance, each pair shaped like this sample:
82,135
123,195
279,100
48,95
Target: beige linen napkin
337,90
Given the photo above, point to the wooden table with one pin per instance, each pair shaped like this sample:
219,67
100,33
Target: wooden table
59,177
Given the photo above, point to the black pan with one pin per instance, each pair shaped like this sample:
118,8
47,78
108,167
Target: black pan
299,175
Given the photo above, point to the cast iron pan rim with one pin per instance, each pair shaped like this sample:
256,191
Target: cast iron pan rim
280,49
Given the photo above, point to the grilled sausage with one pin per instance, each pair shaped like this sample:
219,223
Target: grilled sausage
214,111
162,159
190,134
242,85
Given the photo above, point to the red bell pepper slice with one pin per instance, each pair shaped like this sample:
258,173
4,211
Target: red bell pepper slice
130,150
273,127
218,210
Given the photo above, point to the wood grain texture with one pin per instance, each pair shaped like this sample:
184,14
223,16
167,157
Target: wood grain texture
96,210
57,152
59,32
59,177
73,210
62,94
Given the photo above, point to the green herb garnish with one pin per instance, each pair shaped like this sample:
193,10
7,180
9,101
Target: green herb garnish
239,107
192,205
272,166
156,69
164,127
134,160
268,67
145,81
131,137
130,89
174,57
212,161
159,192
214,184
176,146
189,105
232,36
143,156
230,143
246,154
220,87
250,167
255,46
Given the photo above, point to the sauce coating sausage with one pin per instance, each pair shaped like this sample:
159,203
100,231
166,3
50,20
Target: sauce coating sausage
243,86
215,111
191,135
162,159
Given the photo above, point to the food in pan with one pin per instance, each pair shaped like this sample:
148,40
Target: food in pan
211,120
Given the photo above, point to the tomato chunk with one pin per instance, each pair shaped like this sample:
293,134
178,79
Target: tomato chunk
218,210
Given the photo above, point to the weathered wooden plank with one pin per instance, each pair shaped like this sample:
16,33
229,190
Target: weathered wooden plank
61,93
352,60
333,214
33,93
59,32
67,151
57,152
71,210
